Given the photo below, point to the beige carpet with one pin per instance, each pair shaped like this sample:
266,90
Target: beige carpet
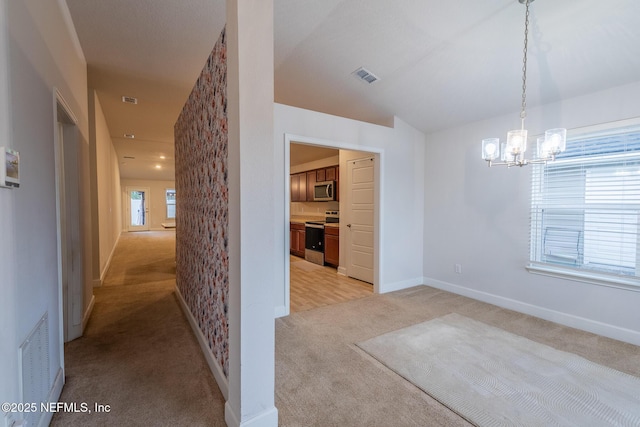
324,379
492,377
138,354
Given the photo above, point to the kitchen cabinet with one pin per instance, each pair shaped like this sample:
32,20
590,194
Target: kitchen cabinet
296,237
311,181
302,183
330,174
299,187
332,246
336,174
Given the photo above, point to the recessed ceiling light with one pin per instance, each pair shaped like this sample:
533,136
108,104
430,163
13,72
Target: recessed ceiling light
129,100
158,167
365,75
129,136
162,157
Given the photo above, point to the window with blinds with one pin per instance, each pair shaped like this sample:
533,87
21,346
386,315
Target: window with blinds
585,207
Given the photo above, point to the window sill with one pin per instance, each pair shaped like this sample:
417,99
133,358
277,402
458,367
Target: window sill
619,282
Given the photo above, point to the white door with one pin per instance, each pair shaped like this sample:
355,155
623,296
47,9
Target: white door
137,202
360,229
70,236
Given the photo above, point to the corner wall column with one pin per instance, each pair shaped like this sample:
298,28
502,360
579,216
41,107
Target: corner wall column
251,214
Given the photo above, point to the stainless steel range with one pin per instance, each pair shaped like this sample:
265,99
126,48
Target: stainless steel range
314,237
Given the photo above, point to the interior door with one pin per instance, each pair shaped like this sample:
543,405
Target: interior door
360,185
138,208
69,239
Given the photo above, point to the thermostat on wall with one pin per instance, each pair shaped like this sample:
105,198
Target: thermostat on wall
9,168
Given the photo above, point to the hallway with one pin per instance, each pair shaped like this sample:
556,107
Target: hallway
138,353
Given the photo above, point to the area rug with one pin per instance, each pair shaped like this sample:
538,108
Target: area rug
491,377
306,265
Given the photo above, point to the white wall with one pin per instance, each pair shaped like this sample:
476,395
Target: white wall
9,283
41,53
108,190
251,249
479,217
402,188
158,205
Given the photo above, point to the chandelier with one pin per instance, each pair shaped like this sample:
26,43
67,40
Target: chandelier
511,152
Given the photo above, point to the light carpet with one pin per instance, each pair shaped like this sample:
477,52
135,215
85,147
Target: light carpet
492,377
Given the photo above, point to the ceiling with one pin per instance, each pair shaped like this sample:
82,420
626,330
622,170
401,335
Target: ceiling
440,63
302,153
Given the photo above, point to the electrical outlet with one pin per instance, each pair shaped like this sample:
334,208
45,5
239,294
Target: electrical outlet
458,268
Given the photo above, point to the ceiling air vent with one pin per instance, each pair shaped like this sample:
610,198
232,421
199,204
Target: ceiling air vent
129,157
129,100
129,136
365,75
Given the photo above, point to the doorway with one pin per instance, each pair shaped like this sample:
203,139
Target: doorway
137,203
70,247
345,271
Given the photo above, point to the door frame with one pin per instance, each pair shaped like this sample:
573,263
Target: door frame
378,250
127,204
69,227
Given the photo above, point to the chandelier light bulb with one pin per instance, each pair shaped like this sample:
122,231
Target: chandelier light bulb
543,151
557,140
490,148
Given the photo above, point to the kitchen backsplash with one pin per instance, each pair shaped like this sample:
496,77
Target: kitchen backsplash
313,208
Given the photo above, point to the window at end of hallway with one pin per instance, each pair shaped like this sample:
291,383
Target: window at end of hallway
170,197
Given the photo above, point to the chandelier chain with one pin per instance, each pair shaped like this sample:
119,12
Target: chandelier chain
523,113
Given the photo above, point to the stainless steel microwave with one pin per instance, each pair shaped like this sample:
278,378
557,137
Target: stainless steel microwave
324,191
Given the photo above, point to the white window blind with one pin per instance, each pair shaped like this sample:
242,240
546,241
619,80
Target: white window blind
585,206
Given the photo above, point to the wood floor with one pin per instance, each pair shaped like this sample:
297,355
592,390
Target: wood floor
313,286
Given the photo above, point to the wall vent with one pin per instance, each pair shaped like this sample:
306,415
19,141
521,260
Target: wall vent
35,379
365,75
129,100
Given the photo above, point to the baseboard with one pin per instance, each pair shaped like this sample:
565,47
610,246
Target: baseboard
266,418
54,396
108,263
214,366
397,286
604,329
342,271
281,311
87,312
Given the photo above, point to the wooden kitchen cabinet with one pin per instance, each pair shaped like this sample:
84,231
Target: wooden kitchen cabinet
296,237
311,181
299,187
302,183
330,174
337,180
332,246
